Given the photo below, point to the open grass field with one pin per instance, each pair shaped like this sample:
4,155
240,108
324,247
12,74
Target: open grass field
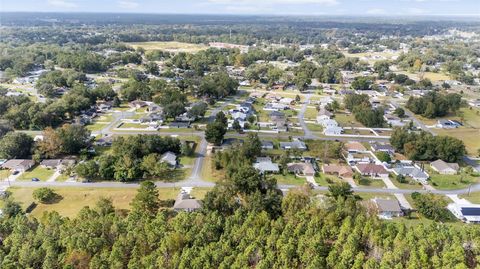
310,113
39,172
469,136
170,46
474,197
372,56
96,126
4,174
430,75
370,183
451,182
347,120
74,199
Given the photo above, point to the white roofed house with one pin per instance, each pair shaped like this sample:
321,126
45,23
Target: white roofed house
265,165
170,158
185,202
466,212
295,144
20,165
445,168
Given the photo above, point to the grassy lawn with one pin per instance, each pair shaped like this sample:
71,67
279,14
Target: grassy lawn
105,118
199,193
289,179
474,197
410,185
471,117
209,173
96,126
347,120
370,183
62,178
314,127
38,172
74,199
132,125
4,174
170,46
325,180
451,182
469,136
430,75
186,160
310,113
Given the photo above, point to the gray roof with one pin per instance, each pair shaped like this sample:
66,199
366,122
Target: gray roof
411,171
382,147
51,162
387,205
170,158
264,164
267,144
296,144
185,202
441,165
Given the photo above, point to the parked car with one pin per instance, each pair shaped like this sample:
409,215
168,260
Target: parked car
35,179
15,172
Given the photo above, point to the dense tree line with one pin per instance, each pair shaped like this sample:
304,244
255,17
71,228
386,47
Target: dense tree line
423,146
434,104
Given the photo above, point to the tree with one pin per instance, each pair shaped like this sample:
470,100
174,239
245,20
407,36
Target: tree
51,144
236,126
340,190
44,195
74,138
146,201
400,112
215,132
383,156
153,166
87,170
362,83
221,118
11,208
198,110
15,145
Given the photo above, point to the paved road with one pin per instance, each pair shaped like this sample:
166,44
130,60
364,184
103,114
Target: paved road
301,114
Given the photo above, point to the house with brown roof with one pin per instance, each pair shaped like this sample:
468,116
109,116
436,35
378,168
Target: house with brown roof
372,170
445,168
305,169
354,147
20,165
342,171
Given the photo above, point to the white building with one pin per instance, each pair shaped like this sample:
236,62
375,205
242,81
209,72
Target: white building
469,213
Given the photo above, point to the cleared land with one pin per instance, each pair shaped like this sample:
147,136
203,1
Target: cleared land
38,172
170,46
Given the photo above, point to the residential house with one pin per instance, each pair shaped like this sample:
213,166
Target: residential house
265,165
469,213
137,104
329,123
185,202
275,106
295,144
155,117
20,165
267,144
354,147
359,157
445,168
372,170
387,208
152,107
336,130
305,169
170,158
381,147
51,163
411,171
104,141
342,171
184,118
395,121
104,107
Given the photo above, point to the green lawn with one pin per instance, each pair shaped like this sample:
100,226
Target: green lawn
170,46
186,160
411,184
96,126
314,127
4,174
74,199
370,183
38,172
289,179
132,125
469,136
474,197
451,182
325,180
347,120
311,113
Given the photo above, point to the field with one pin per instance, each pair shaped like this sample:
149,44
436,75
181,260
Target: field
170,46
289,179
474,197
347,120
469,136
74,199
450,182
39,172
430,75
4,174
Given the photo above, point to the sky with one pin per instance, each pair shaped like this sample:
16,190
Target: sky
268,7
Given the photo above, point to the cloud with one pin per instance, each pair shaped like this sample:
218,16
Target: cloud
321,2
62,3
126,4
416,11
376,11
